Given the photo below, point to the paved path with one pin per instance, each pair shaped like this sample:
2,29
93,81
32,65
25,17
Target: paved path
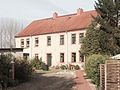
81,83
65,80
49,81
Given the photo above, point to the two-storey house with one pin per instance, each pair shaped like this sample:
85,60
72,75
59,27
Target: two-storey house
57,40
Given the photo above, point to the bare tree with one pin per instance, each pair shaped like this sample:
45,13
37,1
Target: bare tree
8,29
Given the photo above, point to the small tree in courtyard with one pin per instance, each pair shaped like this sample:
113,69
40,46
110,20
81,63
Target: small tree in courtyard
109,21
95,41
103,35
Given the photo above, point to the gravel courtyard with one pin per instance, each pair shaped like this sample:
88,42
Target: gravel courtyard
62,80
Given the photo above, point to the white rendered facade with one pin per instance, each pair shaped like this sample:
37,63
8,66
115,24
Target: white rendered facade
55,49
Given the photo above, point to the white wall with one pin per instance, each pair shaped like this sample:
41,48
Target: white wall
55,49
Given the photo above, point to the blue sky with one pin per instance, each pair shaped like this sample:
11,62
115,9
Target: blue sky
29,10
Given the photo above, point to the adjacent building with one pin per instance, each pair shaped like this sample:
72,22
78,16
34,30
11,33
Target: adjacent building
17,52
57,40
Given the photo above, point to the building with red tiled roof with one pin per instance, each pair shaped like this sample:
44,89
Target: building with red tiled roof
56,40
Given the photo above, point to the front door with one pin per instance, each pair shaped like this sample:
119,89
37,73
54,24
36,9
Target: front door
49,59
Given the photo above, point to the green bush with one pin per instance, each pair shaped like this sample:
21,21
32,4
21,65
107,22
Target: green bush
57,67
71,67
23,70
36,63
76,67
63,67
92,67
4,67
44,66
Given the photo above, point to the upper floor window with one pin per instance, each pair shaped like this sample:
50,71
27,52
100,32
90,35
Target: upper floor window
61,39
81,36
49,40
36,42
61,57
36,56
73,38
22,43
73,57
27,42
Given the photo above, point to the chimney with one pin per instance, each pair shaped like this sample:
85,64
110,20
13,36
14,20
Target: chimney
55,15
79,11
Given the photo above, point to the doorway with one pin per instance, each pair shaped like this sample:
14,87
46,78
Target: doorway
49,59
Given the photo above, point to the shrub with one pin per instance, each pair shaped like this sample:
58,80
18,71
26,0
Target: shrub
92,67
76,67
44,66
23,70
4,67
36,63
70,67
57,67
63,67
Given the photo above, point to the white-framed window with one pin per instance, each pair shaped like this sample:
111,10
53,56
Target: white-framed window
48,40
81,36
27,42
73,38
61,57
22,43
36,42
36,56
61,39
81,57
73,57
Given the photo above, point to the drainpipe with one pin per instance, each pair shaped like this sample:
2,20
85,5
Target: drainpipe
31,46
67,45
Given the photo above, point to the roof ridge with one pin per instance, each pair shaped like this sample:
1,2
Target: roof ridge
59,24
52,17
62,16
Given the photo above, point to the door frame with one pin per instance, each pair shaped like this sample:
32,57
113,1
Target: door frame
47,58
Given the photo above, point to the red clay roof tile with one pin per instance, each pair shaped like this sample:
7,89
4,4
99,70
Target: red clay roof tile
64,23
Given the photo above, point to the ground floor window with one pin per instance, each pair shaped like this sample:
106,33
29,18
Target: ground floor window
81,57
61,57
25,56
36,56
73,56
